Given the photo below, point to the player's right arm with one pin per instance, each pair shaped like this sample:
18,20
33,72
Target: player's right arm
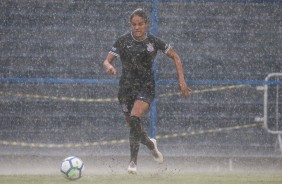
107,64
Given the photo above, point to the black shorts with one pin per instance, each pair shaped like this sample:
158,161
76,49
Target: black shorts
128,95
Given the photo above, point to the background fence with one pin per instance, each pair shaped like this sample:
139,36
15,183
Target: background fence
54,92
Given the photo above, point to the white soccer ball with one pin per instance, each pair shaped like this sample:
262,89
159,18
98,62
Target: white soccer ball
72,168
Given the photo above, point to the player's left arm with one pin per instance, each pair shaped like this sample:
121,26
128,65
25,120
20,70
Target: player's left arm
178,65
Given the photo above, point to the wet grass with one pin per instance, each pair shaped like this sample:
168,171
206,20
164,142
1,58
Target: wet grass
189,178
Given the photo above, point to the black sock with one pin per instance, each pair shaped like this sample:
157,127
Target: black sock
146,141
134,137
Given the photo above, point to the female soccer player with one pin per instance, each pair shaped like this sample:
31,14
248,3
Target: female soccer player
137,51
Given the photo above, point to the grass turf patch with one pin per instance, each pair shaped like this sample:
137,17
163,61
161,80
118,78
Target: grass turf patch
191,178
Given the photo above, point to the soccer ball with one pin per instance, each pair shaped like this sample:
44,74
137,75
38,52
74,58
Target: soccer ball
72,168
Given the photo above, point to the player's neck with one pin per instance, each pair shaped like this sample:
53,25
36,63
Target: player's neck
139,39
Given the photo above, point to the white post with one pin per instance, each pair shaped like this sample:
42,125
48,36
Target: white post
280,142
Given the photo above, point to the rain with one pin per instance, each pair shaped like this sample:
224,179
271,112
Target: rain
56,100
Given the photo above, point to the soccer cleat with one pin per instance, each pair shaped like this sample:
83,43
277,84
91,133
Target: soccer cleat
156,154
132,169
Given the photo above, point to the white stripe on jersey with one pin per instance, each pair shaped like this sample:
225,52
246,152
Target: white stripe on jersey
113,53
168,47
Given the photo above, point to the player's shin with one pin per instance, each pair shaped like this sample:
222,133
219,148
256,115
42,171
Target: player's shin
134,137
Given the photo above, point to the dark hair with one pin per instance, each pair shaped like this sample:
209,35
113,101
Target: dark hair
140,13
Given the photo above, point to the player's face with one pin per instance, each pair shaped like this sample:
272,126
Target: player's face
138,27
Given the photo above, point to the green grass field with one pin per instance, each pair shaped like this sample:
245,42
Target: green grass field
189,178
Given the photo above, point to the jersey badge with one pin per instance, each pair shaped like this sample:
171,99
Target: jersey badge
150,47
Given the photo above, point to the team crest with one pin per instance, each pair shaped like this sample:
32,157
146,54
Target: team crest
150,47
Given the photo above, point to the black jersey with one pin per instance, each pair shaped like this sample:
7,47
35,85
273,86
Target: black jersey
137,78
137,58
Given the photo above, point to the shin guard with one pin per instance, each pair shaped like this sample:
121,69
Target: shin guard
134,137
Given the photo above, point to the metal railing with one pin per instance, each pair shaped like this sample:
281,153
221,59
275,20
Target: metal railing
272,112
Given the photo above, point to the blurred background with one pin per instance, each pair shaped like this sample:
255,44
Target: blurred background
55,97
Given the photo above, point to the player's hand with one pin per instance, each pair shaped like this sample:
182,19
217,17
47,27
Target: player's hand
184,89
111,70
107,64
